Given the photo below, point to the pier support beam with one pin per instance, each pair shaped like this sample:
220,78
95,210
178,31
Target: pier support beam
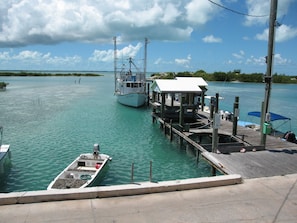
170,131
216,124
235,115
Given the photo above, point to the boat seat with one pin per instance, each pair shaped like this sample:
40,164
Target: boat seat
88,168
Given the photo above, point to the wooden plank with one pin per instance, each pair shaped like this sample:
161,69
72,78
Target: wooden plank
279,157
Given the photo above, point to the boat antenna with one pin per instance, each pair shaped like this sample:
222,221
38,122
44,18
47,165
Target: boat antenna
268,75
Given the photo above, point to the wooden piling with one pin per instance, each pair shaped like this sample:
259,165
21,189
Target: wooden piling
132,173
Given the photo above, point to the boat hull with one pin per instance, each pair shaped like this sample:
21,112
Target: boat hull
133,99
84,171
4,158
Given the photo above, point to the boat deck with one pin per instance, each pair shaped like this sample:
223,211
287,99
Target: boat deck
68,183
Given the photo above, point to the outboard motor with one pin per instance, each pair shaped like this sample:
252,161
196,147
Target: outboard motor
96,150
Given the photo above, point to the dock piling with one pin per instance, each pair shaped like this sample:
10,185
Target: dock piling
236,115
132,173
151,171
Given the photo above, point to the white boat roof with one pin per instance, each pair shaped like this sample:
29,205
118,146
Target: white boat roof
179,85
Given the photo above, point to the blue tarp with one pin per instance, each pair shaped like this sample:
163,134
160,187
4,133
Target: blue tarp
273,116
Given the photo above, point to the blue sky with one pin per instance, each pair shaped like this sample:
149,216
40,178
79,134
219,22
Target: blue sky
183,35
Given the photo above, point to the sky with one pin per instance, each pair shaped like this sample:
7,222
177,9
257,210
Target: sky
184,35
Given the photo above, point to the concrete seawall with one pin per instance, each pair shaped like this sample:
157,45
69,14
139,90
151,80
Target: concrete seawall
118,190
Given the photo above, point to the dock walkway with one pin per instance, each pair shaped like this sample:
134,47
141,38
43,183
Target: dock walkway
277,159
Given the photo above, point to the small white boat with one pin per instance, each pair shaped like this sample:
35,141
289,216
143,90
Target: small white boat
4,154
82,172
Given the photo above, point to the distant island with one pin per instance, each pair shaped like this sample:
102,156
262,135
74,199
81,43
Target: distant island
231,76
43,74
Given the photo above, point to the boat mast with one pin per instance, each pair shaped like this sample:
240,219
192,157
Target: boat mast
268,76
115,62
145,56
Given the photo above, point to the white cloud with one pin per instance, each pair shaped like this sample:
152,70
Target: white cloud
158,61
199,12
108,55
211,39
239,55
26,22
256,60
36,58
260,11
185,62
282,33
279,60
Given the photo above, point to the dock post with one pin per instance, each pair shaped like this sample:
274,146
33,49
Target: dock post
132,173
163,106
181,111
216,124
213,171
202,100
180,142
235,115
148,94
197,155
151,171
170,131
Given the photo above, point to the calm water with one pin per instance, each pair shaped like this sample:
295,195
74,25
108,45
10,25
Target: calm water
48,121
283,100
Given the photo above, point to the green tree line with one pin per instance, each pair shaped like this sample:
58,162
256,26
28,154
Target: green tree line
235,75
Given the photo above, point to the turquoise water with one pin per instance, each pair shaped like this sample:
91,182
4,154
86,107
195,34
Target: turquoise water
48,121
283,100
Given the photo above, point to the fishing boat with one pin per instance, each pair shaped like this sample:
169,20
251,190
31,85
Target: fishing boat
130,81
82,172
4,154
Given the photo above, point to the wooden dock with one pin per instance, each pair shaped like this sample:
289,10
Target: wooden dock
278,158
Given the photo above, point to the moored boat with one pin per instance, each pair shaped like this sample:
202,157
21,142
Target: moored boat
130,82
4,154
82,172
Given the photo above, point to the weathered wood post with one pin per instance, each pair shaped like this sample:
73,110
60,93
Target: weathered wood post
148,94
170,131
163,106
216,124
132,173
215,129
202,100
197,155
151,171
181,111
235,115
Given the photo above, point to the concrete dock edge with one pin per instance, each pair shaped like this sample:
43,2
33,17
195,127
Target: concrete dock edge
118,190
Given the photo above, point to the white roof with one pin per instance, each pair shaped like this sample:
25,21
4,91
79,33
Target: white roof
197,80
179,85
